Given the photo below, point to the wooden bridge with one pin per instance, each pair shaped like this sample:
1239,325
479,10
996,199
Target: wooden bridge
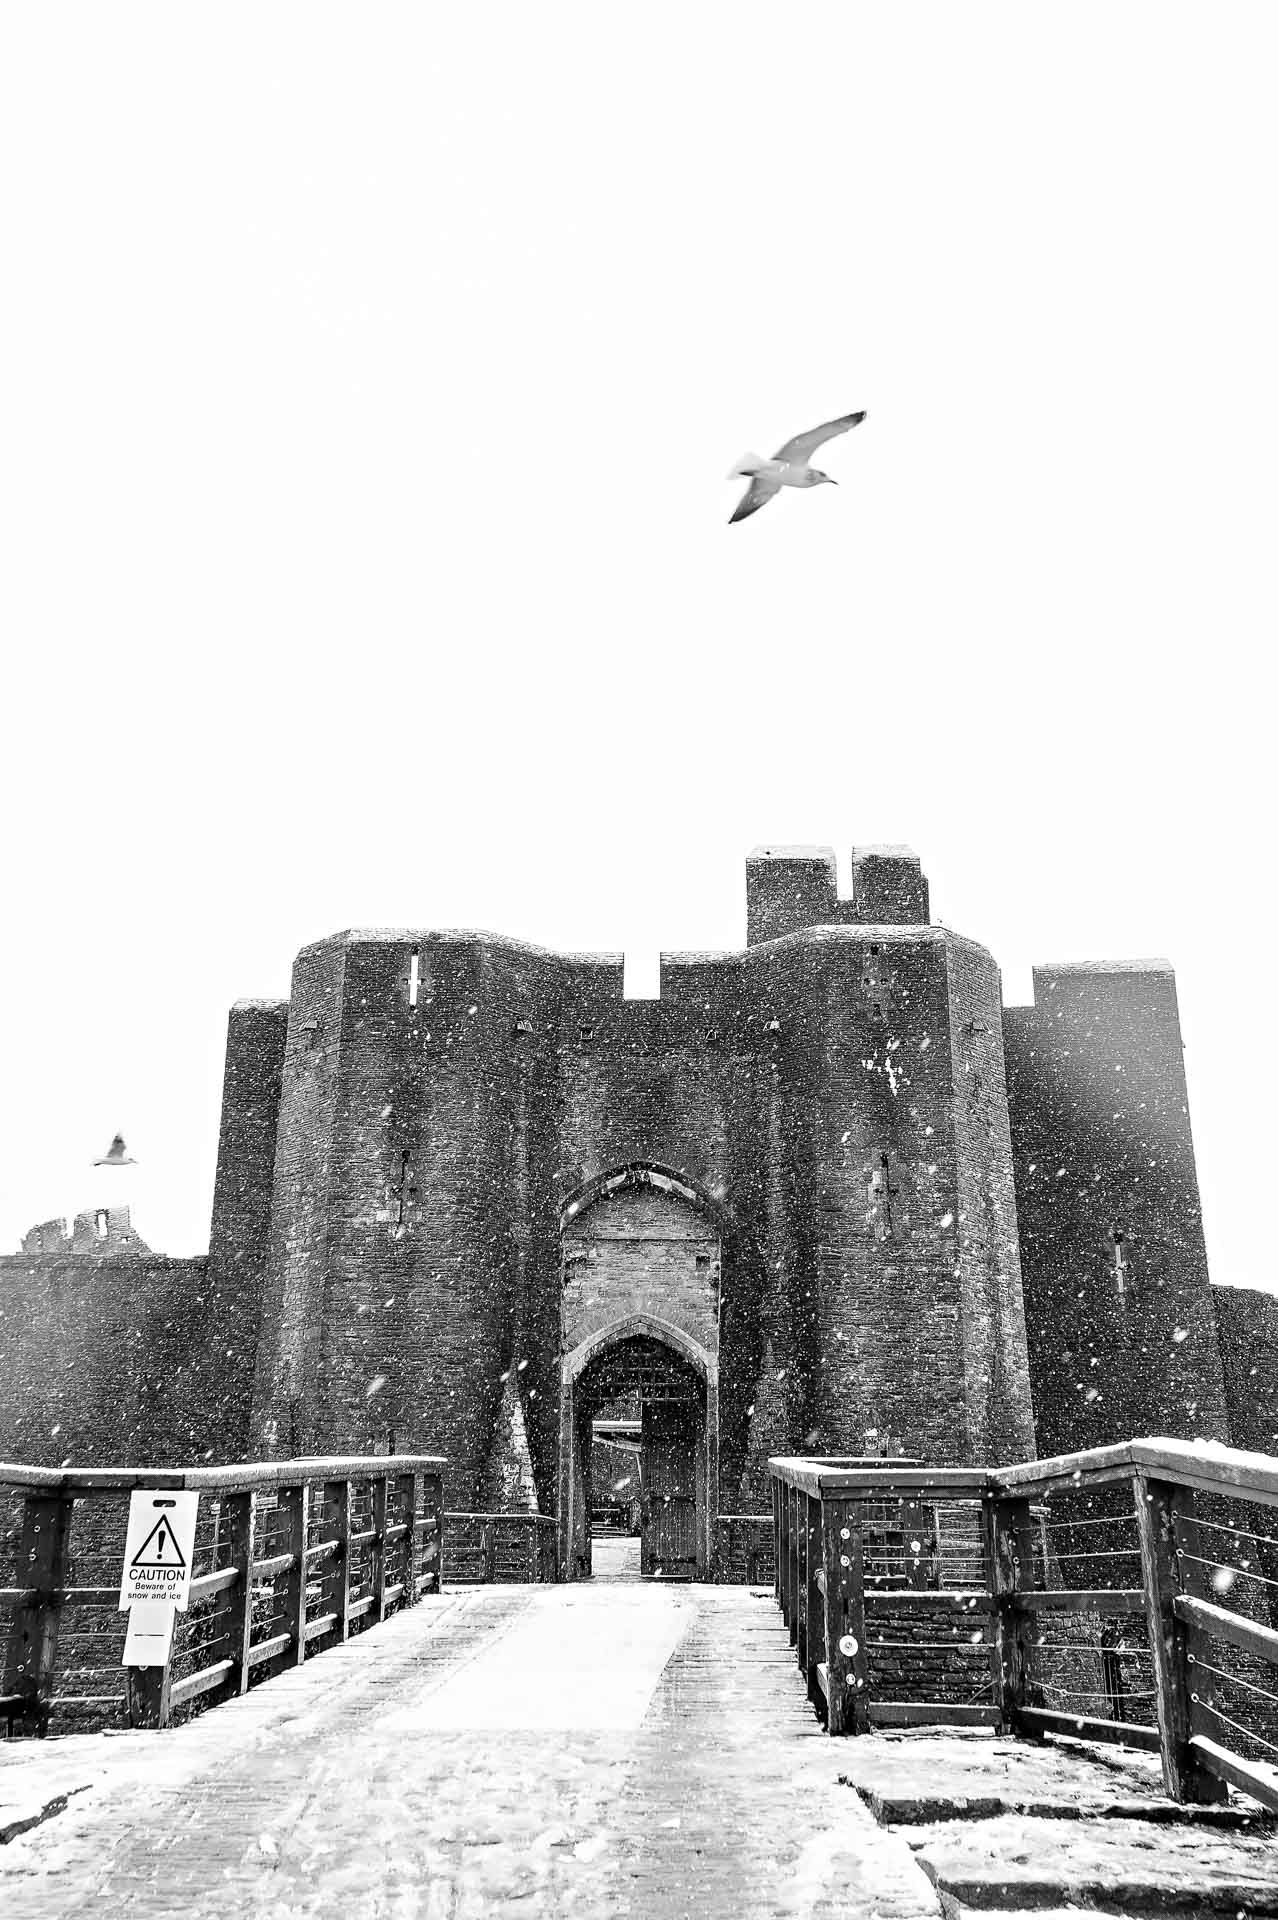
1062,1669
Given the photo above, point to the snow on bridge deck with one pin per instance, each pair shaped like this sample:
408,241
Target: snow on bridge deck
580,1750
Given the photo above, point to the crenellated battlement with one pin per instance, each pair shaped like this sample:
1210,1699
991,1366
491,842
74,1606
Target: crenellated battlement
789,888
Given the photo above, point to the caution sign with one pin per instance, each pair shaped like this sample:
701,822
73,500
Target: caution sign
159,1547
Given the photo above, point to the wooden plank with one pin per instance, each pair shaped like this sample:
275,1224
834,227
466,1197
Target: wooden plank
1083,1727
1232,1628
40,1564
1032,1477
1250,1776
269,1649
277,1563
205,1681
1184,1780
816,1477
1225,1470
240,1510
322,1623
208,1585
232,1478
358,1608
1083,1600
930,1713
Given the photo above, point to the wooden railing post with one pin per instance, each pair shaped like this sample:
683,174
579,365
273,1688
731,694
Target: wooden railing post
337,1498
240,1510
41,1570
1156,1503
432,1533
1009,1550
381,1517
296,1503
847,1657
801,1584
410,1498
814,1596
792,1574
778,1541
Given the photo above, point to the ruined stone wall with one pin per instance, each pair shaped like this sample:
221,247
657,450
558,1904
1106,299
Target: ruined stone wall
1247,1321
118,1363
1122,1335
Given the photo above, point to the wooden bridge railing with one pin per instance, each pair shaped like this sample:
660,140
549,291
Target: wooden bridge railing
1127,1594
291,1557
489,1547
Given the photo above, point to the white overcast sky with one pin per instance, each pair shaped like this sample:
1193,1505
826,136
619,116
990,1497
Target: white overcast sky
368,377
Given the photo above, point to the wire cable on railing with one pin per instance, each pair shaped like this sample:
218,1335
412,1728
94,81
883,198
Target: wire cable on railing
1113,1520
1248,1733
933,1646
1233,1679
1084,1693
1239,1573
1089,1647
1239,1533
1094,1553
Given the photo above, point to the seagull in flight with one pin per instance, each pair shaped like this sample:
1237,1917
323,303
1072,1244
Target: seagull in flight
790,466
116,1155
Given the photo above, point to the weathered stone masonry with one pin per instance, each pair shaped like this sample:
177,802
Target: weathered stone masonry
851,1202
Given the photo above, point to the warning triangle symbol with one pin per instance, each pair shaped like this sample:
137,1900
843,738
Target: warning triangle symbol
160,1548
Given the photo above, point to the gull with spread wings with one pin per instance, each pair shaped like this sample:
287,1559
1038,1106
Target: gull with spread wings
790,466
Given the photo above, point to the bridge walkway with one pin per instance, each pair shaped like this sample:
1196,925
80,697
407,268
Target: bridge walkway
602,1750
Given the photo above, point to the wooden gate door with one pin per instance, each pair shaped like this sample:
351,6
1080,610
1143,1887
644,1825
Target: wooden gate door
669,1540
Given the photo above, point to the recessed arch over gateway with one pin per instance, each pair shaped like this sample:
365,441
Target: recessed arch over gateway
641,1258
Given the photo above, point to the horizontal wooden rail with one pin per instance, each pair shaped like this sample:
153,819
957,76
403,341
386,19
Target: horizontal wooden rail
262,1474
206,1586
1236,1631
1252,1776
1085,1727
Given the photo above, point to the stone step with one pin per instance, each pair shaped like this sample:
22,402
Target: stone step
1015,1863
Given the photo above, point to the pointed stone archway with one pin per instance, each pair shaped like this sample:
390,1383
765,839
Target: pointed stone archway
677,1380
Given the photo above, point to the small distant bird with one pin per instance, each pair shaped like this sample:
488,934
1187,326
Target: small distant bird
116,1155
790,466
